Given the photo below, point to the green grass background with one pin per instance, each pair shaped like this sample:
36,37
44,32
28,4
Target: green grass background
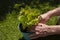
9,26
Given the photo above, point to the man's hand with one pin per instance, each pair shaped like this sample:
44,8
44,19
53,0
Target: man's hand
44,18
41,30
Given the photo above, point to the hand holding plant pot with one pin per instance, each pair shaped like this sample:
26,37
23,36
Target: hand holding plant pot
42,30
31,18
28,18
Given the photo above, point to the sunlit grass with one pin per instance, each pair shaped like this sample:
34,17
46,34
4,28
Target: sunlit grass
9,28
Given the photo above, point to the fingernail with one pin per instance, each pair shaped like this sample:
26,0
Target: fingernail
37,32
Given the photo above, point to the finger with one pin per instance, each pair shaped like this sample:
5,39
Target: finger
40,24
37,28
41,20
34,31
33,36
37,33
37,36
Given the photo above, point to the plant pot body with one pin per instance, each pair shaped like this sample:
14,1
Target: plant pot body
24,32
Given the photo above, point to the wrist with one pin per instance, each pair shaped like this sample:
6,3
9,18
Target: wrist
52,30
55,29
46,15
49,14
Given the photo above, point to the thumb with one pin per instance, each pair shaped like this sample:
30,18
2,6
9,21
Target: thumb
41,19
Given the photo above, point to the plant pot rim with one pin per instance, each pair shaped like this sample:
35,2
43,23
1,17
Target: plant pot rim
21,29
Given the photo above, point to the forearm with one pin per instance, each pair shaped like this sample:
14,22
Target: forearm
54,12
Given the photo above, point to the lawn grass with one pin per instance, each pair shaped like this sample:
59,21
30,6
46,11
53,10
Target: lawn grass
9,28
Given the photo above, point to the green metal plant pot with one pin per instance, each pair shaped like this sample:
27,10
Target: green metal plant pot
24,32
